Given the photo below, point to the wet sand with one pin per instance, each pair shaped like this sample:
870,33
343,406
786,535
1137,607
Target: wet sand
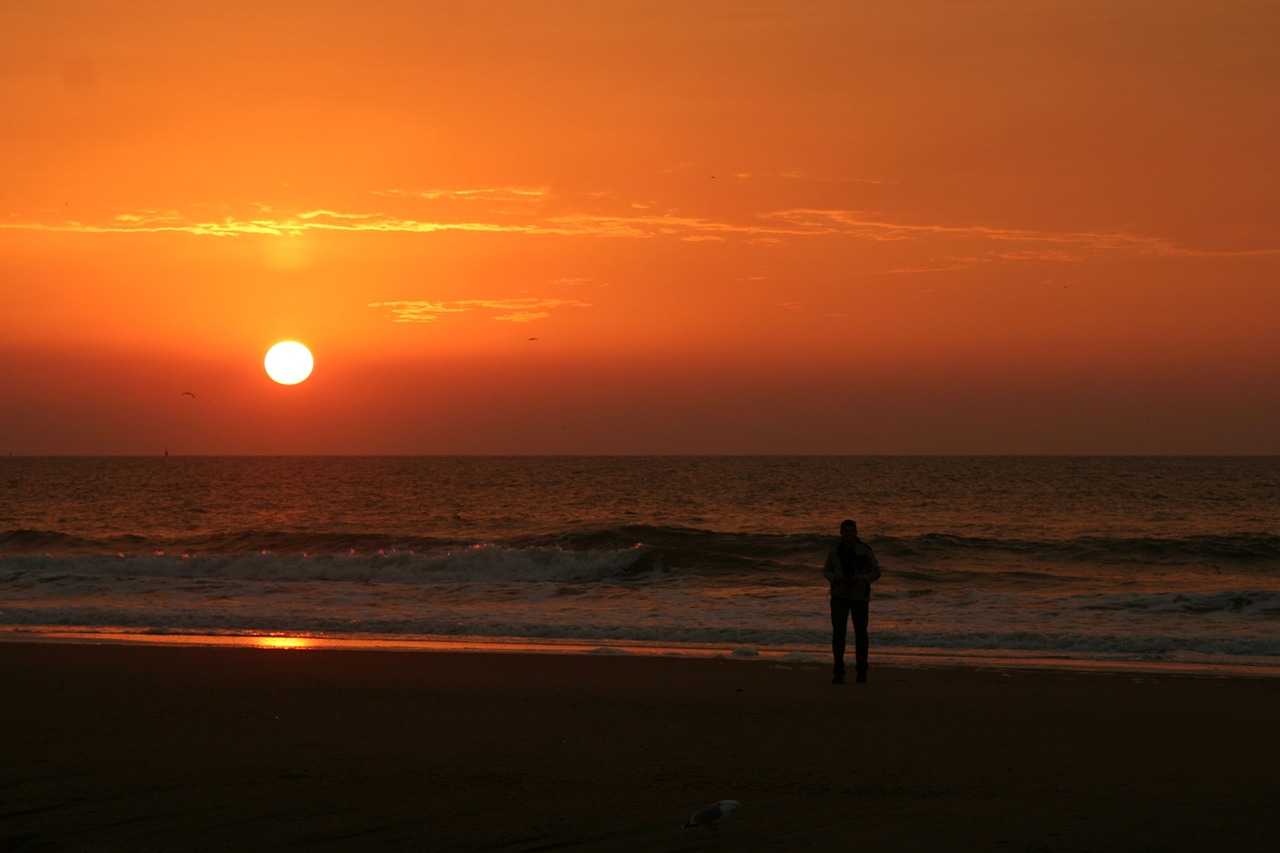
157,748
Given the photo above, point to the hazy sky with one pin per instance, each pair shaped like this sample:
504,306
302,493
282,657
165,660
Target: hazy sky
641,227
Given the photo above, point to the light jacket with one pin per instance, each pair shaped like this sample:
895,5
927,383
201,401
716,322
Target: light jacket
866,570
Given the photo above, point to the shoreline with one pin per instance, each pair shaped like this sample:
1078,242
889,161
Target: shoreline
889,657
130,747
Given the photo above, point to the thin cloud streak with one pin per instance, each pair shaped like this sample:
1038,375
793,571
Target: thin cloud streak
317,220
486,194
520,310
1031,245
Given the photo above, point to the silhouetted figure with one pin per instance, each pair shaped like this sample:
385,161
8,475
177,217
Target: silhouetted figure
851,568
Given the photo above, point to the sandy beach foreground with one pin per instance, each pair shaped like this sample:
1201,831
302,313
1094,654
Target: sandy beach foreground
157,748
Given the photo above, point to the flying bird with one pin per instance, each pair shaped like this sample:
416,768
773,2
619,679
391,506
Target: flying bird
187,394
713,814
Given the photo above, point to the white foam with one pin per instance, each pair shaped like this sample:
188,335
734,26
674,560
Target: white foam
610,597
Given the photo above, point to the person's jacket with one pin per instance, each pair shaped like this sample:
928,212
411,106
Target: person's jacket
866,571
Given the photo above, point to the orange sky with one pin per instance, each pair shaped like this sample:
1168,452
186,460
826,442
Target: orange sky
731,227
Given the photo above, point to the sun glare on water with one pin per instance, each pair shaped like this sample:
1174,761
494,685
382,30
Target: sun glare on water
288,362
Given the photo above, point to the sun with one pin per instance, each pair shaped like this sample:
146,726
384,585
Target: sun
288,362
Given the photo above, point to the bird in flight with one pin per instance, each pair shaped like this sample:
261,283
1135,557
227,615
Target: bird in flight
187,394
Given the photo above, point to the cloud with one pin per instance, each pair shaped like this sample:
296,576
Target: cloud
523,316
518,310
150,222
537,211
486,194
418,311
858,223
1062,246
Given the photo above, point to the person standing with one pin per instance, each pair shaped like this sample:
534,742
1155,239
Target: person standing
851,568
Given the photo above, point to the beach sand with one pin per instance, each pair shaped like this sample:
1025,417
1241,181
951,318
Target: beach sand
159,748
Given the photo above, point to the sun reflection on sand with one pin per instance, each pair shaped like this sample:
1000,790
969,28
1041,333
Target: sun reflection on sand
282,643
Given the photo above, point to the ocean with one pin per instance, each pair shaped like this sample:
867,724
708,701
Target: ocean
1134,562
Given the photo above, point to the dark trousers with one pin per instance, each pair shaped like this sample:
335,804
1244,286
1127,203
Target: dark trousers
841,610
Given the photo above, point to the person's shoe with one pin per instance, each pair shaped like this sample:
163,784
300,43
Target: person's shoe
839,679
862,678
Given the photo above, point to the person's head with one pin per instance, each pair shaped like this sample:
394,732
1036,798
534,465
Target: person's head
848,530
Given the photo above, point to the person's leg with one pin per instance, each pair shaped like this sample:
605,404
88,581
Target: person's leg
839,624
860,612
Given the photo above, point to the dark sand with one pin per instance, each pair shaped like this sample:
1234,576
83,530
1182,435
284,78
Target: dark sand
152,748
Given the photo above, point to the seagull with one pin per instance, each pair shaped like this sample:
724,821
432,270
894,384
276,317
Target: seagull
187,394
713,814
